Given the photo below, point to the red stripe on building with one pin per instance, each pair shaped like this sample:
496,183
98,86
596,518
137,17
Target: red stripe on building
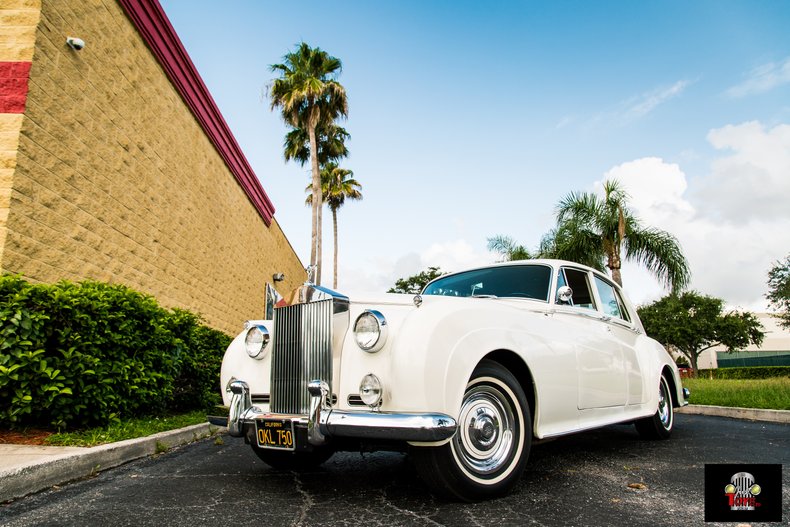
13,86
153,25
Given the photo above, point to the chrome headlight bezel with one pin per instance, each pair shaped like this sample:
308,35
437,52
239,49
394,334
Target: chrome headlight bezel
371,390
364,338
256,341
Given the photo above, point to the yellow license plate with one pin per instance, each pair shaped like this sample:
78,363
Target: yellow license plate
275,433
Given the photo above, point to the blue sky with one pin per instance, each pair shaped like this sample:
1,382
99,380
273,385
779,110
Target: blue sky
471,119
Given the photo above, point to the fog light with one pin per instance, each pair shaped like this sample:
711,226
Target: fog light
370,390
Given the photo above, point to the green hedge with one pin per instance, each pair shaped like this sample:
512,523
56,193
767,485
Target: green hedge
84,354
755,372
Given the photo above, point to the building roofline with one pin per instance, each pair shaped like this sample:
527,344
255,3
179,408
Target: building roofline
153,25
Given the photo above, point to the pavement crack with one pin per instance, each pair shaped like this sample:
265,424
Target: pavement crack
307,501
472,518
387,503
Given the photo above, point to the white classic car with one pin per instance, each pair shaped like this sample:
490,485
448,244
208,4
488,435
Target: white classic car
464,376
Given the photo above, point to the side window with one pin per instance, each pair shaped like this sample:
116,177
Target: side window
610,303
579,283
623,309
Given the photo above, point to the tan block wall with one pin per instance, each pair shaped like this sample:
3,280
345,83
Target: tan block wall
18,21
116,181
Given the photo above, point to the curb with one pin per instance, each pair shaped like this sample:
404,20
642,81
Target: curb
21,481
752,414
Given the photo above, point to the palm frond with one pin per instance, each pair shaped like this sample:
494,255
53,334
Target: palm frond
661,254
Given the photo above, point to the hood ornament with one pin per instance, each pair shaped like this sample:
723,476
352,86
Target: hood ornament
417,300
311,272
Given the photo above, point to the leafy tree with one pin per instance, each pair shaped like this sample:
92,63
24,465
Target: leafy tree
415,283
596,230
337,185
692,323
308,95
508,249
779,290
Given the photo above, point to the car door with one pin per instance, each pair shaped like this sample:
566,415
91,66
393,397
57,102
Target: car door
621,326
600,361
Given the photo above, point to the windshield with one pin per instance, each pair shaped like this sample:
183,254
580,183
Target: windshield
513,281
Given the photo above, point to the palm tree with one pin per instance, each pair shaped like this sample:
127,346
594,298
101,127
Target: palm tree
331,144
337,185
308,94
508,249
595,231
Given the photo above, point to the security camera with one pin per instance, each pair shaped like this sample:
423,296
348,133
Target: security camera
75,43
278,277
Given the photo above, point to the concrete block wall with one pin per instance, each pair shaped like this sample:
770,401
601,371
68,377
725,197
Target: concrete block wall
115,180
18,22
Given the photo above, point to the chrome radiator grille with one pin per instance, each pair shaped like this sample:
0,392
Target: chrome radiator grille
302,353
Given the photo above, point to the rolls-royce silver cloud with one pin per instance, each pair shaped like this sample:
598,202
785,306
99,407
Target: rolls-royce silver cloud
463,376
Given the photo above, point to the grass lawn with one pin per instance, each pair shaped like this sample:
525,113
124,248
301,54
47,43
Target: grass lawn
771,394
127,429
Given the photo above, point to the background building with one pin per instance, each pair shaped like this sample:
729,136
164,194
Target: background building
116,165
774,351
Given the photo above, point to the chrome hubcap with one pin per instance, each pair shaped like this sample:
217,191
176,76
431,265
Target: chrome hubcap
486,432
664,406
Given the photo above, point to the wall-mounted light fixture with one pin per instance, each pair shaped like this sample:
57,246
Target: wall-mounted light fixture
75,43
278,277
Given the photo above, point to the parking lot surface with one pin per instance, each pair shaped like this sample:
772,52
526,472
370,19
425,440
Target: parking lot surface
603,477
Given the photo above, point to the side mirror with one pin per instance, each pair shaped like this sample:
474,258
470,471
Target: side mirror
564,295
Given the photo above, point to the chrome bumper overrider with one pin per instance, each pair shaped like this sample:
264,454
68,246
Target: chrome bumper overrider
324,422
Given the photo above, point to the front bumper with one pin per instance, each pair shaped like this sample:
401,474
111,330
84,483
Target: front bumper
323,422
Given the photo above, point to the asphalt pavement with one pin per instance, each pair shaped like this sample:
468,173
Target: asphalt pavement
573,481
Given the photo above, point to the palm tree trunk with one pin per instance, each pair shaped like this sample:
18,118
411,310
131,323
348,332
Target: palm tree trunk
334,225
614,263
616,276
315,242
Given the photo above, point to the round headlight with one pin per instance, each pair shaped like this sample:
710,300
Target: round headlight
370,330
256,340
370,390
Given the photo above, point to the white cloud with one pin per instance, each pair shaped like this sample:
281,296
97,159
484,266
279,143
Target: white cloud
381,274
728,259
635,107
455,256
762,79
655,188
562,123
754,181
647,102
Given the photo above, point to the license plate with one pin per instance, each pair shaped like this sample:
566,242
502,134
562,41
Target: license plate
275,433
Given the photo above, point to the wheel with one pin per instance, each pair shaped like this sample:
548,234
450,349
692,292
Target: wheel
487,455
293,460
659,425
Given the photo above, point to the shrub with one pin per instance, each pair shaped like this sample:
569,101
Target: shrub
197,384
754,372
76,355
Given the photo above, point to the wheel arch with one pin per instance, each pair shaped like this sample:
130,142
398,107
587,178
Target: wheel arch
516,365
673,389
